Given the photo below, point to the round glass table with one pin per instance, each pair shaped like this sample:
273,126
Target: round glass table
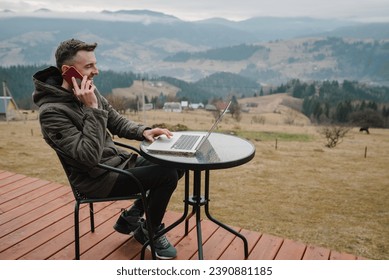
219,151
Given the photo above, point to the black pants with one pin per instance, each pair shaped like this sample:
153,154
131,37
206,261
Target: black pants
160,181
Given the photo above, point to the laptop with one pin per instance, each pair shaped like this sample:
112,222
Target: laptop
184,143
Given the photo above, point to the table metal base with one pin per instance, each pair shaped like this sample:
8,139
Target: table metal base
197,201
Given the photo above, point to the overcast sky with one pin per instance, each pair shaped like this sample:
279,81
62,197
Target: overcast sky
363,10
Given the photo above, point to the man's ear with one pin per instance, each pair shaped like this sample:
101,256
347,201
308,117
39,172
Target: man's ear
64,68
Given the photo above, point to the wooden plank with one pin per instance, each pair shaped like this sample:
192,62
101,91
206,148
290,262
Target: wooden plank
22,189
316,253
235,251
111,211
66,237
43,234
10,183
208,229
16,182
266,248
187,247
177,233
53,243
43,237
219,241
51,192
4,175
19,232
102,242
126,251
37,193
116,246
39,209
36,222
291,250
130,250
341,256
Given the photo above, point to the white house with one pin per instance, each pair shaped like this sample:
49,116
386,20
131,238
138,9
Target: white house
172,107
196,106
8,107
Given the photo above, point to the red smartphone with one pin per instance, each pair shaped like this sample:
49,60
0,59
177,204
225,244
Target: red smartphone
72,72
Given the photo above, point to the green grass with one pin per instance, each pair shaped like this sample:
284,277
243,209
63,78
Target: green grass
270,136
250,135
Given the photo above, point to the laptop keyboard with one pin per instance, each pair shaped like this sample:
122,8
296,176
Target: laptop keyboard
185,142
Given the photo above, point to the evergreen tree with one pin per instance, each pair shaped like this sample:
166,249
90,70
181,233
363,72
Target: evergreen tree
342,111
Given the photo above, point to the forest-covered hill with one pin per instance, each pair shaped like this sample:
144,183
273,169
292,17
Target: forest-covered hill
323,101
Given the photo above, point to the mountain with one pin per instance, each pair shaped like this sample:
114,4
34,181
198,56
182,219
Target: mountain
273,28
265,49
140,13
376,31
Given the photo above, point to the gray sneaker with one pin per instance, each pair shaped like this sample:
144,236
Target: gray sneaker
129,220
163,249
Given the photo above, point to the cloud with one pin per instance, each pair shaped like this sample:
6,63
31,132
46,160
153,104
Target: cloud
231,9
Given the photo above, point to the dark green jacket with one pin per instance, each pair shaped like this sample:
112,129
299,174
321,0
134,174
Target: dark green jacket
81,133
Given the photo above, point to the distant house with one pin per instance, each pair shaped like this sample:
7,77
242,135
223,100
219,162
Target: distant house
184,104
246,107
221,105
8,108
172,107
148,106
251,104
196,106
210,107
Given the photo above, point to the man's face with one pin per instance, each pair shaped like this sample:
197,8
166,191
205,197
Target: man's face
85,62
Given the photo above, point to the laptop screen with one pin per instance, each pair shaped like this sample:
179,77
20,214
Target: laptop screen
214,125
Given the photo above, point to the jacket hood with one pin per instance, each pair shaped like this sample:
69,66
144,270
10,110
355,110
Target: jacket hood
48,88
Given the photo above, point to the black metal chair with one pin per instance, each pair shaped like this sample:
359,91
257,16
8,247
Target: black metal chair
82,199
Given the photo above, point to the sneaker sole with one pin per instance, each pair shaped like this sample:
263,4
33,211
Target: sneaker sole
149,248
159,256
124,230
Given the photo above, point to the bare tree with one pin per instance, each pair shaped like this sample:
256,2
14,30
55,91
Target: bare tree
120,103
334,134
291,116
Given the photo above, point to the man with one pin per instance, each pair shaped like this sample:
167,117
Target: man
78,122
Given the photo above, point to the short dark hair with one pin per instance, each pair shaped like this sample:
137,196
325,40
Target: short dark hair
67,50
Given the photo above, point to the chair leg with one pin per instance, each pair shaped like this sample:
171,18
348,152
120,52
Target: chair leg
77,230
150,231
92,217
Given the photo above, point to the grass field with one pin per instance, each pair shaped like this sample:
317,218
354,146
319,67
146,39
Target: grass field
335,198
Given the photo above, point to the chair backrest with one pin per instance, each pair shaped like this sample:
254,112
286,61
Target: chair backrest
77,194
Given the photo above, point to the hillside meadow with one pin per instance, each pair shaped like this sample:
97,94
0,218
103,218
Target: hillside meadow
295,187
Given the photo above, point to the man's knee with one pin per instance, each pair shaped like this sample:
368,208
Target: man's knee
172,176
180,173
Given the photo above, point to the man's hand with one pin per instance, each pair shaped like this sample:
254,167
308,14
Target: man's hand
85,92
151,134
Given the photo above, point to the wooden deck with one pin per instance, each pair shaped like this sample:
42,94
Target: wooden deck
36,223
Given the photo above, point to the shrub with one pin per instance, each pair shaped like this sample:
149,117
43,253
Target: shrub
334,134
